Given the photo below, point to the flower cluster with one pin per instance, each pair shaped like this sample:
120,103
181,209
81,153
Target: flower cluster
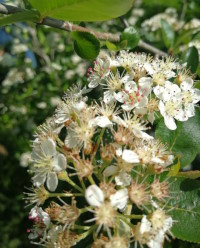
146,86
100,164
170,15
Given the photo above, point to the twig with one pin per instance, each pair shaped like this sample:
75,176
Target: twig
67,26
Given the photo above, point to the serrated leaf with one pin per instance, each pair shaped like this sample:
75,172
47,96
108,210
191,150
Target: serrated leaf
27,15
86,45
189,174
192,58
168,34
132,37
79,10
186,212
185,140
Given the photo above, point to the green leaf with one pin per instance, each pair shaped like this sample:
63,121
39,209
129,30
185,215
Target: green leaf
79,10
185,140
186,212
192,58
189,174
168,34
86,45
116,46
27,15
132,36
174,169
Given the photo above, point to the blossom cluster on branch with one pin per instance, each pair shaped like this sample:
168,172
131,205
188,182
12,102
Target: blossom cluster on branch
95,165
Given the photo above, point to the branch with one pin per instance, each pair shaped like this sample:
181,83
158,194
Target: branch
67,26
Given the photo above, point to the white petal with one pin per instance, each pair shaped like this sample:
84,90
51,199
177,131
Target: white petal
119,121
52,181
119,199
119,152
196,96
186,84
110,171
189,110
123,179
102,121
94,195
79,105
145,82
140,111
157,240
108,96
143,102
120,96
38,180
128,106
130,86
45,219
130,156
94,82
158,91
48,147
140,134
161,107
59,162
170,122
151,117
181,116
145,225
71,140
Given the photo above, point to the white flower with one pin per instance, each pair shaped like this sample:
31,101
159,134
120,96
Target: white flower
150,234
128,156
100,71
95,197
114,82
122,178
41,220
47,162
134,96
171,110
189,96
25,159
167,92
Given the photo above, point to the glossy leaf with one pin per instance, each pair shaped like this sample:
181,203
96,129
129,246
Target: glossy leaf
86,45
185,140
174,169
189,174
27,15
79,10
168,34
186,212
192,58
116,46
132,36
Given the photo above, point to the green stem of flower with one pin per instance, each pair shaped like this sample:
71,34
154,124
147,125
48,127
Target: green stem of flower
84,210
74,185
81,227
133,216
91,180
87,233
98,143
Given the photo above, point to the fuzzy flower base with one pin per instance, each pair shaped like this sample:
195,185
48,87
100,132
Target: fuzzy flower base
96,169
